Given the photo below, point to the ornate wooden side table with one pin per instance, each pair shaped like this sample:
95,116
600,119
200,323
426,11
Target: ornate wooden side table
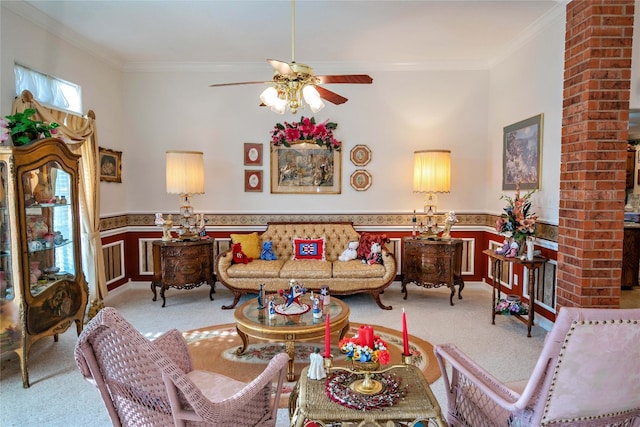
182,265
497,262
432,263
309,401
252,321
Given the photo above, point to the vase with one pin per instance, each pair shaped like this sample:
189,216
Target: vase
43,192
530,249
35,272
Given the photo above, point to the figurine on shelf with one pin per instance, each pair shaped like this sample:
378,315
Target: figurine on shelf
316,366
166,224
505,248
315,304
448,223
513,250
272,307
324,295
261,297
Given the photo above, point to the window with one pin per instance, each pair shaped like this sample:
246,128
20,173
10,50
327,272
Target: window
49,90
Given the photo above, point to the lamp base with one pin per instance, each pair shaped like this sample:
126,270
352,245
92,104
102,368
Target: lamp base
188,235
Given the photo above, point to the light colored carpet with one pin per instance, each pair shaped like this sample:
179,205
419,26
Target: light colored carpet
58,395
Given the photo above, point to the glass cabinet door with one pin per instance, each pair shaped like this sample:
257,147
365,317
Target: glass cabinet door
49,228
6,282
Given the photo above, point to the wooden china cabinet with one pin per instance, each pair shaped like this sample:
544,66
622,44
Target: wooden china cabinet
42,288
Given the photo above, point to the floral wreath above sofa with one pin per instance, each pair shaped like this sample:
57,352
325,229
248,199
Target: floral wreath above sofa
306,130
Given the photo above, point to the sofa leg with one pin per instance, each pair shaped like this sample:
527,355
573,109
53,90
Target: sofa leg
236,298
376,296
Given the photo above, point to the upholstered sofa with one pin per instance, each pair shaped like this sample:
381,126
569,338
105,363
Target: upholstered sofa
341,277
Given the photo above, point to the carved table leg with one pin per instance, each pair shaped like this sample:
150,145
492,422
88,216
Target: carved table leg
153,289
245,342
290,348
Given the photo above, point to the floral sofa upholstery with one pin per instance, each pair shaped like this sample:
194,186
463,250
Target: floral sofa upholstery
341,277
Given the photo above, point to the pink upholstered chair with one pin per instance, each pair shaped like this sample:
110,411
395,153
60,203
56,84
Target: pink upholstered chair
588,374
152,383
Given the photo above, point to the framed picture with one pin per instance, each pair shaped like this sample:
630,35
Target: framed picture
252,154
110,165
360,180
522,154
305,168
360,155
252,181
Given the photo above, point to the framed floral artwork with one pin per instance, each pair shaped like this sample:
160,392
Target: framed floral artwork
360,155
252,154
110,165
360,180
305,168
522,154
252,181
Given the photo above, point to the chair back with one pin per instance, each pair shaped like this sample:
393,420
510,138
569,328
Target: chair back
122,362
589,370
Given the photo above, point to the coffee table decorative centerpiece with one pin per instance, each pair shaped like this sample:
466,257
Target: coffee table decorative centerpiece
292,305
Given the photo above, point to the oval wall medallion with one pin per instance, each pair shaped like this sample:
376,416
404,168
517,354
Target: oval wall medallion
361,180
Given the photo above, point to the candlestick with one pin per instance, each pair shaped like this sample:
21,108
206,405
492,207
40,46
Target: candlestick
327,337
405,334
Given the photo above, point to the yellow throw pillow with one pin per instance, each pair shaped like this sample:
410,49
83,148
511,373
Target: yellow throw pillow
250,244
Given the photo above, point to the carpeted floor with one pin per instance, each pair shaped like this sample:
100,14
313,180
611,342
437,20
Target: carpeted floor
59,397
214,349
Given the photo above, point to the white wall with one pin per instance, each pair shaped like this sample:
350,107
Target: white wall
400,113
526,83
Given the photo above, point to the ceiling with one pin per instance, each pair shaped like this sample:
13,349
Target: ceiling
332,33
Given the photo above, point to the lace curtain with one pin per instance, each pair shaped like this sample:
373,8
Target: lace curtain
81,136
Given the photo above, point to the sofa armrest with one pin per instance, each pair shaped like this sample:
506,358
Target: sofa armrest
222,264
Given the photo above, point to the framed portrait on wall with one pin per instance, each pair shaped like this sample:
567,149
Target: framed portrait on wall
305,168
110,163
252,154
252,181
522,154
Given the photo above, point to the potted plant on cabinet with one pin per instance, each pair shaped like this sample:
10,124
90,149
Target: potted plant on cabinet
23,129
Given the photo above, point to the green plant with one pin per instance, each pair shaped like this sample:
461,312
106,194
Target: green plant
24,129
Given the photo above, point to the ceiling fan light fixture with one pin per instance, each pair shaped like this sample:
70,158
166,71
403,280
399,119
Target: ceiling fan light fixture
312,97
269,96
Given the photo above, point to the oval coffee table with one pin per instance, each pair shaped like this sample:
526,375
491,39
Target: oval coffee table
254,322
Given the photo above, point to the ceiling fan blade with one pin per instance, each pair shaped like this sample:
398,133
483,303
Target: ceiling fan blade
281,67
332,97
238,83
346,78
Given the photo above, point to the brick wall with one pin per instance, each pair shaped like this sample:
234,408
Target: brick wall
593,154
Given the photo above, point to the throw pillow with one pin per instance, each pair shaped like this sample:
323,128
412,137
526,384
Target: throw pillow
308,248
366,239
251,245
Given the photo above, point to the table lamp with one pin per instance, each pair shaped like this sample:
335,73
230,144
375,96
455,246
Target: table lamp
185,176
431,174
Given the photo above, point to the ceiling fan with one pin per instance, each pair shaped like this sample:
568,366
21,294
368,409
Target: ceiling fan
293,81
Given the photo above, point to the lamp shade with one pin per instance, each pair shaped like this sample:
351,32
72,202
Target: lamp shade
432,171
185,172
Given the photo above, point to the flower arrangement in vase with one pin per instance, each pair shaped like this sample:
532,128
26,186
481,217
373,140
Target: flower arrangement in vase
517,221
361,350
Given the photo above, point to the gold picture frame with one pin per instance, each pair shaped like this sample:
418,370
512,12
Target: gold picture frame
522,154
110,164
305,168
361,180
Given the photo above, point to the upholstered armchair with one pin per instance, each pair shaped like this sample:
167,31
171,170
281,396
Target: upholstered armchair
152,383
588,374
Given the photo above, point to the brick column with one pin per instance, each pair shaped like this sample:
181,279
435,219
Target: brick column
595,118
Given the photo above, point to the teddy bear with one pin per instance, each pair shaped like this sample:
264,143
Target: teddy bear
267,253
350,253
375,257
239,257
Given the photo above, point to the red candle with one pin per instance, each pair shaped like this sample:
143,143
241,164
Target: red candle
365,334
327,337
405,334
